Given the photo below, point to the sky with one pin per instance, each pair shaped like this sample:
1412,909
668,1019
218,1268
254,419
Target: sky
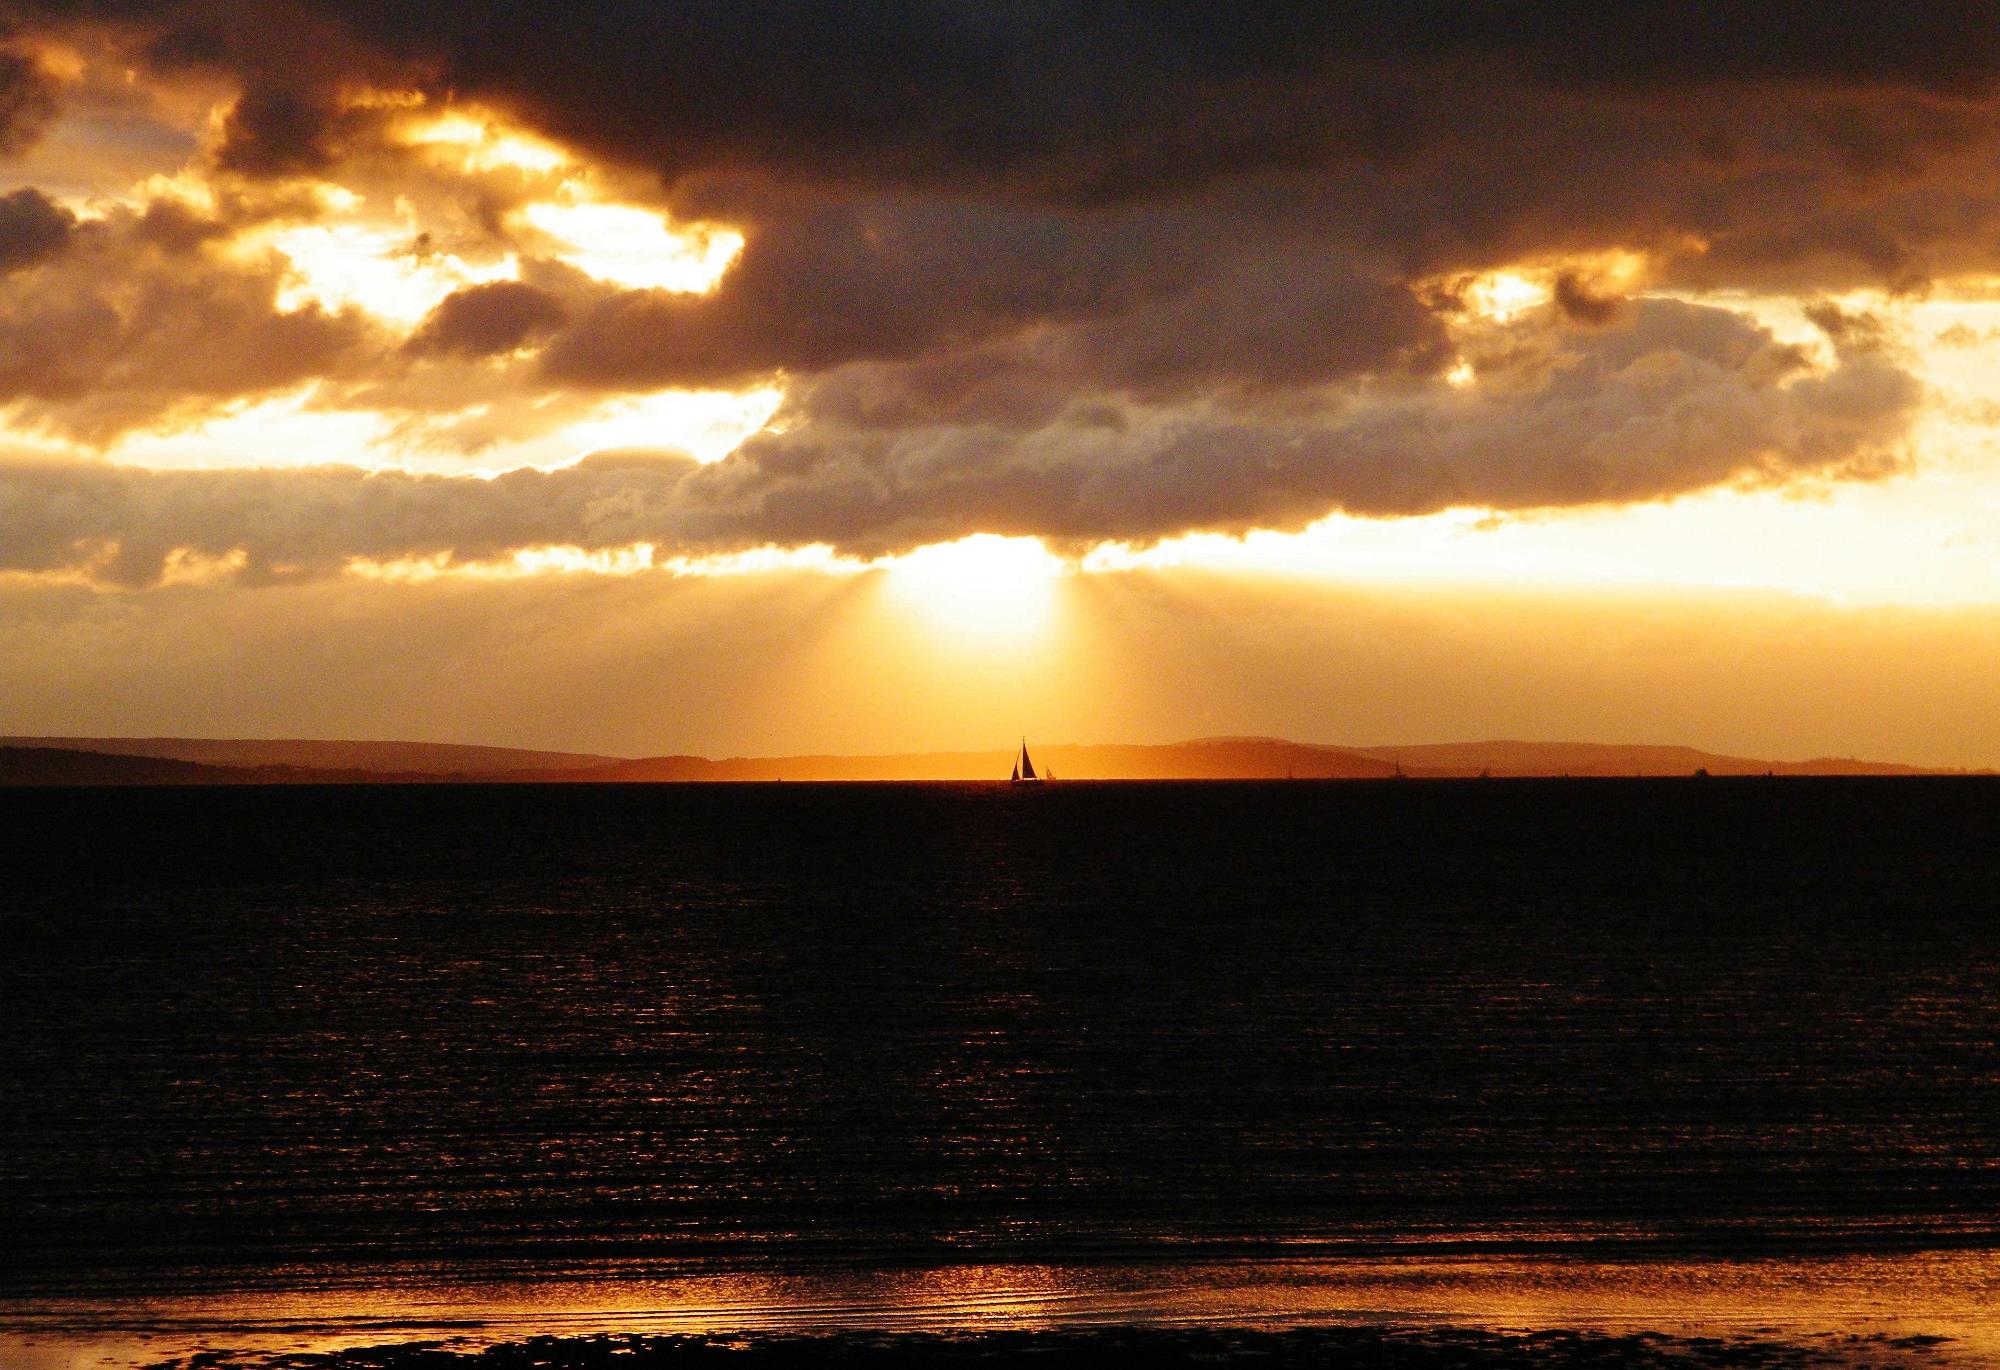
750,378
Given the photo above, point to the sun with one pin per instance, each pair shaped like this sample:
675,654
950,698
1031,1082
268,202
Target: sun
983,588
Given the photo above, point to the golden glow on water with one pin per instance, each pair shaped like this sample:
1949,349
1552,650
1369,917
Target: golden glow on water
1818,1304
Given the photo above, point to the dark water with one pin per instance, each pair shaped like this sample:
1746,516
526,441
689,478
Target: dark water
311,1036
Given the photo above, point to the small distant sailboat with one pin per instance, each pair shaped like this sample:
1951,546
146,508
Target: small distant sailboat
1024,768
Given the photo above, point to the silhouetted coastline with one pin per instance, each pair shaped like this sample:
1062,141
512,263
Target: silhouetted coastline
208,761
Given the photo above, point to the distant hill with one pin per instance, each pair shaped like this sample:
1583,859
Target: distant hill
59,766
1607,758
206,761
1214,759
1238,758
431,758
68,766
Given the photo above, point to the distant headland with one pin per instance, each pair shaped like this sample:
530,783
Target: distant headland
241,761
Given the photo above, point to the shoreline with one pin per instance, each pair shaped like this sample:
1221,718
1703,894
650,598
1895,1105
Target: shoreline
1930,1308
1388,1347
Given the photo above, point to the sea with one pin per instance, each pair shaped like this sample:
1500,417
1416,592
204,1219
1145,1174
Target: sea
295,1070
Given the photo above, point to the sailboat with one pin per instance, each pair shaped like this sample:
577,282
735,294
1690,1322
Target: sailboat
1024,768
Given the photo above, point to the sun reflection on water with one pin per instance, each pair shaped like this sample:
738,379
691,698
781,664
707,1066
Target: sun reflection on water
1822,1303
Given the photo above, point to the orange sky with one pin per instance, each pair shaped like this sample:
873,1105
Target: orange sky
373,403
791,663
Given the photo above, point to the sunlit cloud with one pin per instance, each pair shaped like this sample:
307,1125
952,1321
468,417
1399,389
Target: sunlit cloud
299,430
633,559
1504,294
984,587
482,142
705,424
1914,542
187,567
634,247
1500,295
285,431
372,267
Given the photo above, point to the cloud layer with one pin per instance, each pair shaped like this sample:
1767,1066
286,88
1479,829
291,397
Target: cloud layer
1671,399
1083,271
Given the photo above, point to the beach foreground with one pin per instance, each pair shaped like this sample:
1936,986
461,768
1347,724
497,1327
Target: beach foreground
1394,1348
1911,1309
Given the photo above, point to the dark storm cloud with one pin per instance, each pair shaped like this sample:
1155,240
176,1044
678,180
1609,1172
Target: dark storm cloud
33,228
278,132
1577,299
1096,94
27,100
1134,300
1270,332
1790,145
1083,270
1673,398
1081,97
483,320
1785,136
